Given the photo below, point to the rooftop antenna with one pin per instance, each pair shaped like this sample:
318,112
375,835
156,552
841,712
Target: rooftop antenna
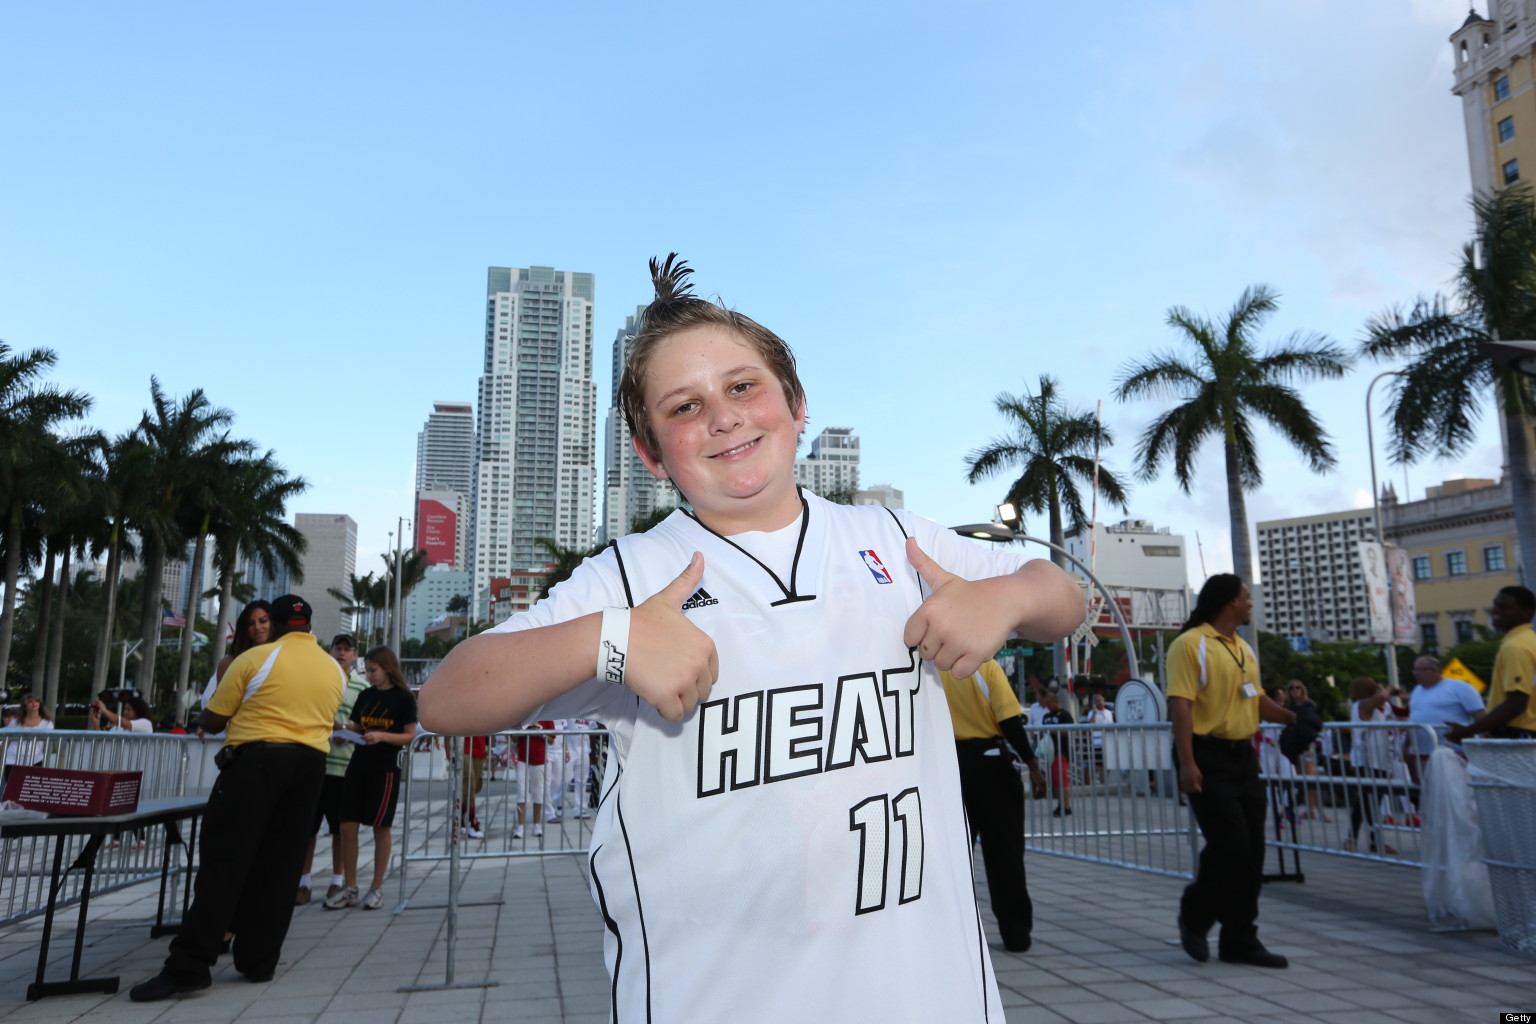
1200,548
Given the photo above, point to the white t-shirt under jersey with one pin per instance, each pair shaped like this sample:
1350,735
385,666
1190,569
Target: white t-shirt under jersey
797,845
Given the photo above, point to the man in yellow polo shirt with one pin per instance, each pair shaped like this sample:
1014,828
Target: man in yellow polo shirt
1215,703
983,710
278,701
1511,713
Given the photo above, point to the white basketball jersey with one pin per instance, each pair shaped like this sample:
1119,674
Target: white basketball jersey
797,845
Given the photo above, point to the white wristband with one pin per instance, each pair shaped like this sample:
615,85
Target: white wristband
612,644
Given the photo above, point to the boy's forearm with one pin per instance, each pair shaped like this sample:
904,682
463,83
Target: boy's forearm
493,681
1051,605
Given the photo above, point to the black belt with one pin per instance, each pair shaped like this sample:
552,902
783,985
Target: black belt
978,744
1217,741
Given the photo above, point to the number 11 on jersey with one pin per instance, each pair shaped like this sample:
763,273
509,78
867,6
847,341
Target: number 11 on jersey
871,819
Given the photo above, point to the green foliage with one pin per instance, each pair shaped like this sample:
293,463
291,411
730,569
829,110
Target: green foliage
641,523
1053,446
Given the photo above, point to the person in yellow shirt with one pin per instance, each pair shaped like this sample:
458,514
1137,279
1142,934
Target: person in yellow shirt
1511,714
984,711
278,701
1215,703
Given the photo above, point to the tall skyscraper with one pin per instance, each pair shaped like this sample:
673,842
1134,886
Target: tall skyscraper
1493,78
330,559
629,490
445,449
535,465
833,465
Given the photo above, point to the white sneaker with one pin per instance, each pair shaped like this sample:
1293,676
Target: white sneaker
342,900
538,831
374,900
517,832
474,833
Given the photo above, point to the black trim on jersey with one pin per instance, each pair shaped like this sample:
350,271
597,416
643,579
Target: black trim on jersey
645,942
983,959
623,576
791,593
612,926
794,719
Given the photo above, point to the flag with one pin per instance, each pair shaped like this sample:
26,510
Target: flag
1456,670
170,618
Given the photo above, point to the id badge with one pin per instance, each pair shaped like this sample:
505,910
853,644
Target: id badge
1249,690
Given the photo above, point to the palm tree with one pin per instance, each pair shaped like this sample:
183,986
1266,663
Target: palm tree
413,569
364,594
563,561
1227,386
30,455
251,523
1436,402
1054,447
71,526
120,487
186,449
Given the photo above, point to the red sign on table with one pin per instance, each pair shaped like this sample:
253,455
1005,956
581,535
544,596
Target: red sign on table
83,794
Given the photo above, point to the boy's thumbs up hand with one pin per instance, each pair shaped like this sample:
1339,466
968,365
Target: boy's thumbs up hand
671,663
962,623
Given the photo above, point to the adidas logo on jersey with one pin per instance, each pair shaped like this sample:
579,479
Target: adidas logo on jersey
700,599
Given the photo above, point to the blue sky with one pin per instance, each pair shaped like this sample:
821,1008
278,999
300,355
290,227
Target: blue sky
292,206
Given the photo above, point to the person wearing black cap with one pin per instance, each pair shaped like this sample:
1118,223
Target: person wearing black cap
277,701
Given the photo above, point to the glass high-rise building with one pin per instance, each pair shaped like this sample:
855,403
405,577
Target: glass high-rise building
629,489
535,443
445,449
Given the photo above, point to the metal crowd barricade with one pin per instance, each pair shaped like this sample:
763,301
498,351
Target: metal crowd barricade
460,807
172,766
1112,802
1354,793
497,807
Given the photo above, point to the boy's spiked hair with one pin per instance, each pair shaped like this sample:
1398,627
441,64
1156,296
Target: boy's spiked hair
675,308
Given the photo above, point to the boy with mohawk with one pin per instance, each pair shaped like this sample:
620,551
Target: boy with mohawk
783,802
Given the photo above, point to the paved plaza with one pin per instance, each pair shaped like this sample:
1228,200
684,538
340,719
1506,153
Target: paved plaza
1360,951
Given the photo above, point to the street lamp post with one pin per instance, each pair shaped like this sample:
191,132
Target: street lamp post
998,532
1381,537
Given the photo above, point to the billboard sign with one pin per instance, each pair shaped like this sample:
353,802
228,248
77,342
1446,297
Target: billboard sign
1394,616
437,528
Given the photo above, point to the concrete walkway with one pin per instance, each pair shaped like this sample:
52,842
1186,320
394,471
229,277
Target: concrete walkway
1104,950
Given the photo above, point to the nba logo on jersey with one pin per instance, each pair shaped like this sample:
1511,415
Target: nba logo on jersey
877,567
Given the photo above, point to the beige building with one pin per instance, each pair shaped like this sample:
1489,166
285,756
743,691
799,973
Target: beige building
1496,80
1460,541
1314,585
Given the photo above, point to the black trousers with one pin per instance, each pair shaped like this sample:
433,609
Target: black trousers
255,834
1230,812
994,805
